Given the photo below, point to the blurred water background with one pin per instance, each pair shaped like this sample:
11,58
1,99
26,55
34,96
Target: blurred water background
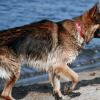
20,12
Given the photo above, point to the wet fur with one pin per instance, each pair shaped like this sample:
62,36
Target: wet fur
45,45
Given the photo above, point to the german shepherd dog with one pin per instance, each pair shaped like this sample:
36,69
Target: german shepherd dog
45,45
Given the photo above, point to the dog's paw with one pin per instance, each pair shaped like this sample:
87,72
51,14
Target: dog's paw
75,94
57,97
6,97
67,90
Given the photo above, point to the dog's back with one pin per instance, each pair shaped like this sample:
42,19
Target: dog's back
30,36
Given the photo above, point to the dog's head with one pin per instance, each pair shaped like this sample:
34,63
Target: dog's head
97,33
90,22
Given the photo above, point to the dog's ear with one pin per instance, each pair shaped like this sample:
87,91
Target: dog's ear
94,10
91,13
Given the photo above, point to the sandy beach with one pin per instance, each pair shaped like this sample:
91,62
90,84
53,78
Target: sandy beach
88,88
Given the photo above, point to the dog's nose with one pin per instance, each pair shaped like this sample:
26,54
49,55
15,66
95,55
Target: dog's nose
97,33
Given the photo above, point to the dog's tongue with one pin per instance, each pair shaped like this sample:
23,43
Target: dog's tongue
97,34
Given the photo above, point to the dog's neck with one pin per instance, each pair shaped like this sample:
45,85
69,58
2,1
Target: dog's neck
76,30
80,33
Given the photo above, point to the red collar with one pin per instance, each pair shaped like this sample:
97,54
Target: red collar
79,29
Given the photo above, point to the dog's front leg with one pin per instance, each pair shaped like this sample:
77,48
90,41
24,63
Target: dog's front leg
54,78
55,82
65,71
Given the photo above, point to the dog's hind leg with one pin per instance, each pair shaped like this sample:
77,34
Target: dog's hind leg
6,94
10,71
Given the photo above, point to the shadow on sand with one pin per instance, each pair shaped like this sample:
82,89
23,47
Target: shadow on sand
22,91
